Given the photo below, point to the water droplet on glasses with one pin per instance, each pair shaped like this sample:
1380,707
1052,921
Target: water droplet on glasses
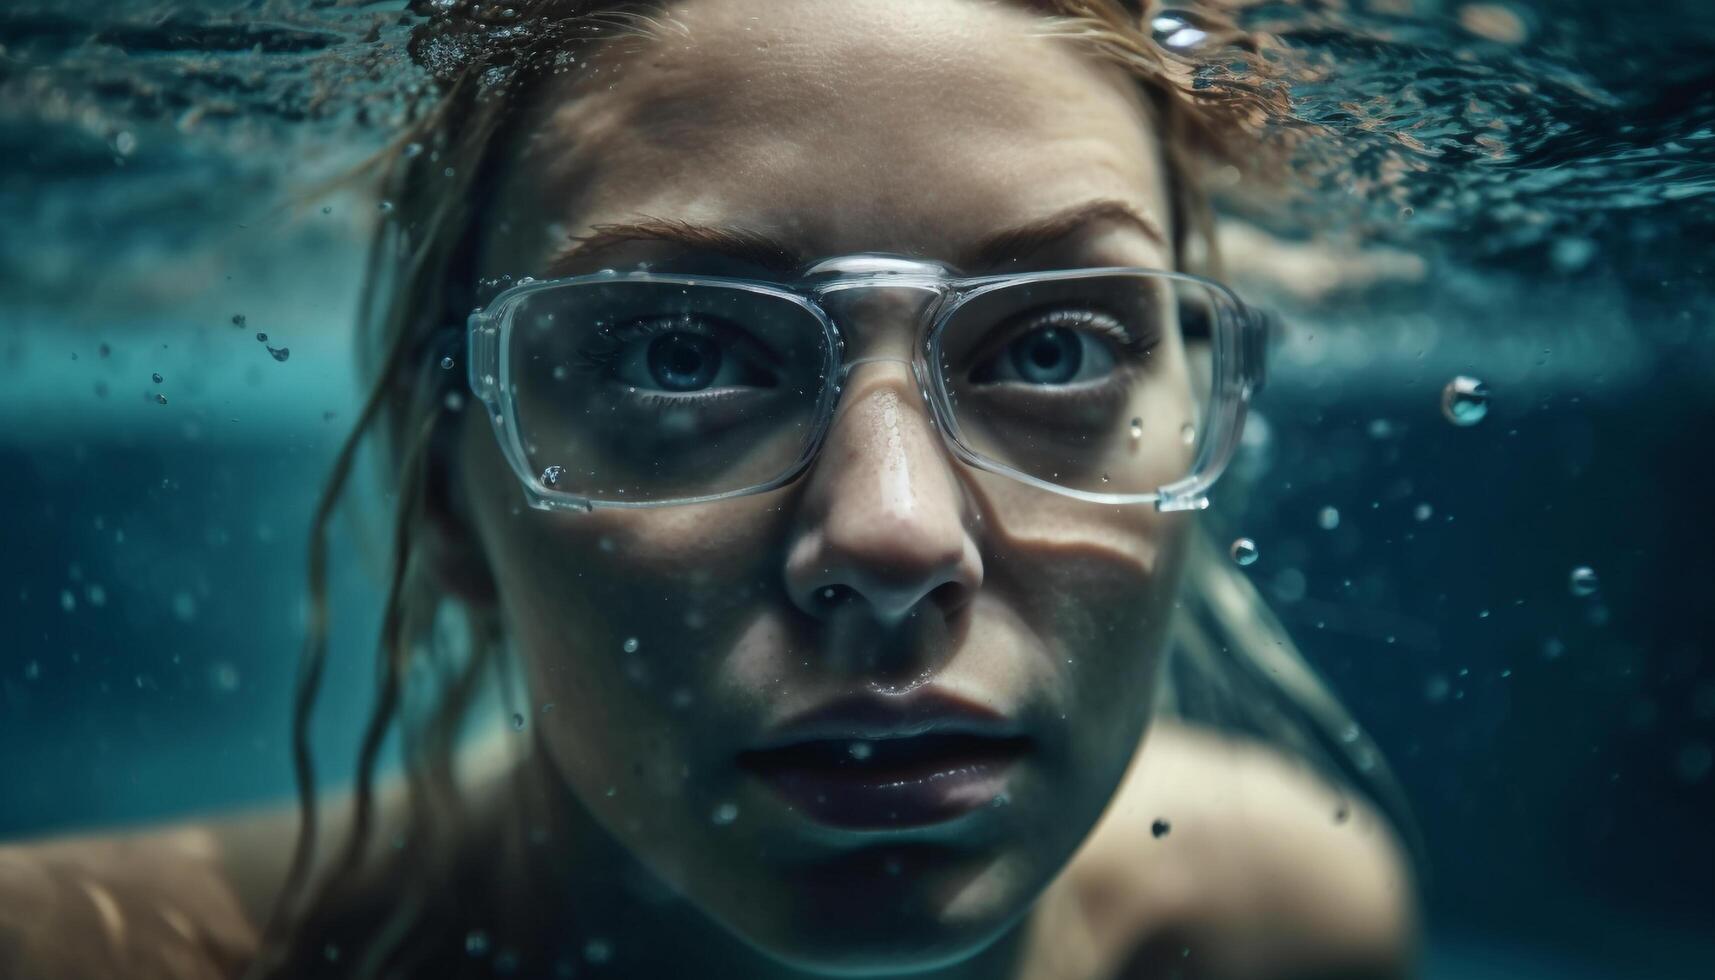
476,943
1349,734
160,399
860,750
1160,827
238,319
413,149
725,814
552,475
1187,433
1137,428
385,207
1423,512
1465,400
630,644
517,722
447,363
598,951
1328,519
156,377
327,209
559,372
280,353
1244,551
1583,581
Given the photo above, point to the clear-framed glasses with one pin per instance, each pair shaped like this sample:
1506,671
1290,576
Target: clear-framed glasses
644,389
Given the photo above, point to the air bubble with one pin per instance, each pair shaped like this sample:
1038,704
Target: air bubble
447,363
261,338
1244,551
1328,518
860,750
630,645
280,353
1137,428
1423,512
476,943
517,722
598,951
156,377
1177,30
552,475
1187,433
1465,400
725,814
160,399
385,207
1583,581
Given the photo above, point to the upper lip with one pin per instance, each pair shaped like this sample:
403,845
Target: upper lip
874,716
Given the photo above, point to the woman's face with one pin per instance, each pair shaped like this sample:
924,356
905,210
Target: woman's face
678,643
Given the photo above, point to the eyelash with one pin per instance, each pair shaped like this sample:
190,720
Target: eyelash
1132,350
614,339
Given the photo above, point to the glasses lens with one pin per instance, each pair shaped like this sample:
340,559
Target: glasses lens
651,391
1094,383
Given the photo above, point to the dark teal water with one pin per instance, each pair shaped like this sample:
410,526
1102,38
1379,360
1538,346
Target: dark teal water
1554,173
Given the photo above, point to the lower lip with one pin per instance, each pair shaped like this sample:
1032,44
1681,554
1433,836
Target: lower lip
856,799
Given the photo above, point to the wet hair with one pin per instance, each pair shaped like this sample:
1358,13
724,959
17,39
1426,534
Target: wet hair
1231,663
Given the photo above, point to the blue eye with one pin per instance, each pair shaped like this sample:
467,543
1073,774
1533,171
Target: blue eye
1047,356
1060,348
680,354
680,361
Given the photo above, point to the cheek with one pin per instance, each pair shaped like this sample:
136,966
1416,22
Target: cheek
1096,585
618,615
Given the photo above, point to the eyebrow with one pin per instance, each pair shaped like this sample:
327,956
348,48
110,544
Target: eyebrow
761,250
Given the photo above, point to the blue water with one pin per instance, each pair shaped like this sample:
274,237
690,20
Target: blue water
1556,188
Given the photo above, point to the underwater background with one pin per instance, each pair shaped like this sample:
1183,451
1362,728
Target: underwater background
1515,594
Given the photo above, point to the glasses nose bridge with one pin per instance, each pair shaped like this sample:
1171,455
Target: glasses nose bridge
868,315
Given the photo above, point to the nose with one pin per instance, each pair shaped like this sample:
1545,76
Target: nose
884,520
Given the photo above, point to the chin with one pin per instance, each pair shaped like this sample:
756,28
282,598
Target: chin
919,918
903,949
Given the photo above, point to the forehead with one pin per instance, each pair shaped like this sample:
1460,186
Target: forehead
894,125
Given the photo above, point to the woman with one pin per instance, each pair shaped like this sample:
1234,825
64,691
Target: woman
827,501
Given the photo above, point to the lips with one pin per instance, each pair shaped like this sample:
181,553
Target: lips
876,763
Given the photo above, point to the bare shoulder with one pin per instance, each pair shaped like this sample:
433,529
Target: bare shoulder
186,901
1230,852
143,904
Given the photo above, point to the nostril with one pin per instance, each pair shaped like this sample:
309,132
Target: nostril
949,595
